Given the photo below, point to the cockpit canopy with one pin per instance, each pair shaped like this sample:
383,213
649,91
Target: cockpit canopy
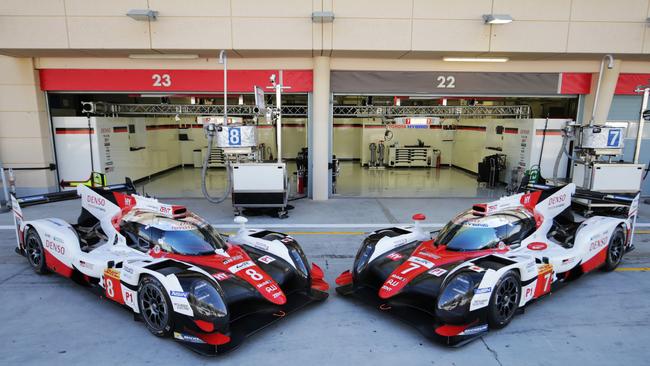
467,232
189,235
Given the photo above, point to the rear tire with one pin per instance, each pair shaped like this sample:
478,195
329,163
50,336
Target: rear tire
34,251
504,300
155,307
615,250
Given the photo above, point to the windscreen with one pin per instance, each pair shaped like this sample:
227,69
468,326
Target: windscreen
467,232
188,238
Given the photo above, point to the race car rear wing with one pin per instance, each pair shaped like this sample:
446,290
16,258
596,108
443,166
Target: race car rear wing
38,199
625,199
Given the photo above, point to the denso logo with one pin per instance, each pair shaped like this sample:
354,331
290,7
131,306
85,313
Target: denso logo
55,247
598,243
556,200
98,201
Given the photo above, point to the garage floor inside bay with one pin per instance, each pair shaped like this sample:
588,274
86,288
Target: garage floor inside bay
353,181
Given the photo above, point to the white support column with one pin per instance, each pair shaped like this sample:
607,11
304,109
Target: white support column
320,129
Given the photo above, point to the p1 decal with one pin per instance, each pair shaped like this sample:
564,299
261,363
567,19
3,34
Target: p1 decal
112,285
437,272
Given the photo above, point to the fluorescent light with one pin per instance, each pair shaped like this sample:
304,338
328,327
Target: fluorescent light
475,59
497,18
322,17
169,56
142,14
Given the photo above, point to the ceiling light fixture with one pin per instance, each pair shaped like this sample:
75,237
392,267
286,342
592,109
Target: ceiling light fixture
142,14
475,59
167,56
497,18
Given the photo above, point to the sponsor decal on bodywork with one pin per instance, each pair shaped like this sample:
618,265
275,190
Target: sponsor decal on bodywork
178,293
394,256
437,272
266,259
187,338
475,330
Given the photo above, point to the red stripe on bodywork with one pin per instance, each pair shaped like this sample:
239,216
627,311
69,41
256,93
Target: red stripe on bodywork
214,339
54,264
453,330
344,278
318,278
595,261
266,286
439,256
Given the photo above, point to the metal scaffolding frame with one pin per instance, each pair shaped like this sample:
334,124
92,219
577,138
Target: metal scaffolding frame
517,111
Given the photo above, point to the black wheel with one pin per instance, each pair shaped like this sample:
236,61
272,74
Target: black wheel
155,307
615,250
35,252
504,300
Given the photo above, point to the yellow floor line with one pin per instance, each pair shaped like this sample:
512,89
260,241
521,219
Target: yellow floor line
633,269
642,231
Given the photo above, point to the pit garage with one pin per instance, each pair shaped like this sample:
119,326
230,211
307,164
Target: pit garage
159,139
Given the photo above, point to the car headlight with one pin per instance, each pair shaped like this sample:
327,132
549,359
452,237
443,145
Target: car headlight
300,261
456,296
205,299
362,258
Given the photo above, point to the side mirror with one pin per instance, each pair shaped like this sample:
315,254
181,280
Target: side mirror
241,220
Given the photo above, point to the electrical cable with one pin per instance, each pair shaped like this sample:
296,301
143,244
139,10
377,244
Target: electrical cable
204,171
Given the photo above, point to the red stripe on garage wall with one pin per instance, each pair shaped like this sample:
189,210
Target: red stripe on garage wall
127,80
575,83
548,132
471,128
74,131
627,83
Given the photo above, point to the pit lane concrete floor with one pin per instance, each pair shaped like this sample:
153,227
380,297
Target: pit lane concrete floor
601,319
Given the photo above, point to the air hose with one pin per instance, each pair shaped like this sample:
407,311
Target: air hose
204,171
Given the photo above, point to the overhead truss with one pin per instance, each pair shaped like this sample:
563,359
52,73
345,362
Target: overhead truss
517,111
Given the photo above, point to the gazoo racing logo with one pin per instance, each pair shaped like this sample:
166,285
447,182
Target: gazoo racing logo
598,244
556,201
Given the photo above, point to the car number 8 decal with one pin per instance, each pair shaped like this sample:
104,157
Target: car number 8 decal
253,274
109,287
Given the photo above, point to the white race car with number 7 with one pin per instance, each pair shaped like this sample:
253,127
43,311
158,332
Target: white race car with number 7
490,261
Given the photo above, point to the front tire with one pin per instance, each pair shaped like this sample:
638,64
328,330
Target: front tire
35,251
155,307
615,250
504,300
